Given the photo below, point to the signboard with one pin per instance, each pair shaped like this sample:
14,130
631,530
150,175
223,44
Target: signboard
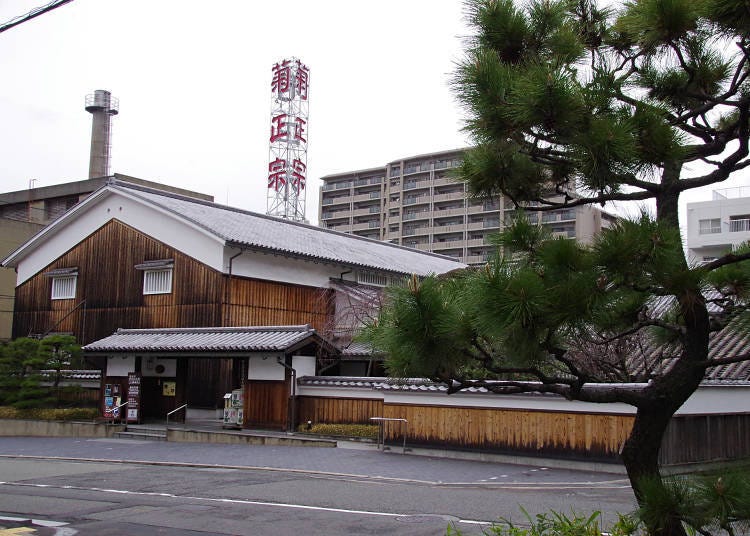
134,396
168,388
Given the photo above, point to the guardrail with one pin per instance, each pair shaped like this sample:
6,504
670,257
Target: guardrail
175,411
381,430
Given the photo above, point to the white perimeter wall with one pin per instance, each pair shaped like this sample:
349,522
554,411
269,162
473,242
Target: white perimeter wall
725,399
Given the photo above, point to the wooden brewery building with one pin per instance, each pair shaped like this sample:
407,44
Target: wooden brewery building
129,258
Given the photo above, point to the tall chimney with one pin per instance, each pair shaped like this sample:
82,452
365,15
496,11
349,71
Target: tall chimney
102,105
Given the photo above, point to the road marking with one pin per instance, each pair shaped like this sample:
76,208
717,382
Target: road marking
16,531
236,501
619,483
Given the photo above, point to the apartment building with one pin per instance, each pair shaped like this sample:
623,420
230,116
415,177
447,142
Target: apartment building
415,202
717,226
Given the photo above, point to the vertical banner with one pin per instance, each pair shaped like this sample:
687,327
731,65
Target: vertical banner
134,397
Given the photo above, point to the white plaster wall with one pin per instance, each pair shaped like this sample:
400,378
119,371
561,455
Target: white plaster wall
717,399
97,211
265,367
120,365
706,400
304,365
283,269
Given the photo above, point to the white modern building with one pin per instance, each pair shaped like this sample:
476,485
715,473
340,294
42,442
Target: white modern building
719,225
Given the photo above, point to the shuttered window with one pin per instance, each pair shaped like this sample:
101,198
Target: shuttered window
64,287
372,278
157,281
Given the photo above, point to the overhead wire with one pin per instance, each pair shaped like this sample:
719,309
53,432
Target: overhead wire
15,21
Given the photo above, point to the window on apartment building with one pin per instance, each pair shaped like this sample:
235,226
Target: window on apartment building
395,171
709,226
157,276
64,281
740,223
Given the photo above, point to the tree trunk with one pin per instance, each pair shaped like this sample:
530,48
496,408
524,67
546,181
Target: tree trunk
640,456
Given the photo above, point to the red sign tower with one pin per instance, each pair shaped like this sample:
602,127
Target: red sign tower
287,160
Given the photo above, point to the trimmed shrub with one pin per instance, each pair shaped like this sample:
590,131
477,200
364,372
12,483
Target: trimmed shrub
369,431
47,414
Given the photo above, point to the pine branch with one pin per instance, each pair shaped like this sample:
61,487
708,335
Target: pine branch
729,258
740,358
547,205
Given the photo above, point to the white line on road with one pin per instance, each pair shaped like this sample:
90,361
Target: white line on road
619,483
238,501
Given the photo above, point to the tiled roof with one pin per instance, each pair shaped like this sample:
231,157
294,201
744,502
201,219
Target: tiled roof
282,236
91,375
413,385
240,339
342,381
357,349
732,341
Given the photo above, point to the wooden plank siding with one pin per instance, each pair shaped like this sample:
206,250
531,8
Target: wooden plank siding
266,404
510,430
338,410
113,292
254,302
113,289
700,438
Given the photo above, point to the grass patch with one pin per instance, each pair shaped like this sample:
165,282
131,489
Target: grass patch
368,431
49,414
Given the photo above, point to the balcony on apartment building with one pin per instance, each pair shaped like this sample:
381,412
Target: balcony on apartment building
416,231
444,181
366,211
327,187
477,259
417,215
367,181
417,200
335,215
448,244
448,196
477,242
443,228
366,196
361,226
416,185
340,200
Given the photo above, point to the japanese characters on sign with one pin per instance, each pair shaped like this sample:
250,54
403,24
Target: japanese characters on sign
288,137
279,172
134,396
290,79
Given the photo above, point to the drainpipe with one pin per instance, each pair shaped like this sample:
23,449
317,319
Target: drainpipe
281,361
227,293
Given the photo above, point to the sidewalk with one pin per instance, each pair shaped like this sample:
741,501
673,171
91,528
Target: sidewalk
362,462
216,426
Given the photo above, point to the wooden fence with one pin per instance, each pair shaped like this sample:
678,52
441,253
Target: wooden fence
564,434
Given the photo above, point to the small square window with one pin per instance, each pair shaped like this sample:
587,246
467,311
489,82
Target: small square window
64,287
157,281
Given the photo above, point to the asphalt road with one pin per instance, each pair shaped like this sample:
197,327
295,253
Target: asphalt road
120,486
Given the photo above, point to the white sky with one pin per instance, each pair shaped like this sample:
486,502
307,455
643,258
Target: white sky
193,81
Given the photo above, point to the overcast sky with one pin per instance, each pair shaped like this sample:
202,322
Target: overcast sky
193,80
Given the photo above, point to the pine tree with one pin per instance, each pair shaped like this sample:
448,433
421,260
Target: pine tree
571,104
